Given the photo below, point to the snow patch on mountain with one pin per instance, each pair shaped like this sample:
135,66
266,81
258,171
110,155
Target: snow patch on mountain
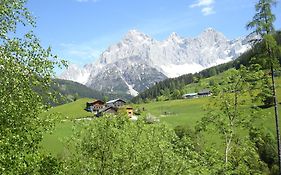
173,70
131,90
138,61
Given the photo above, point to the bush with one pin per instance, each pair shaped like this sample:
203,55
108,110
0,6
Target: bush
115,145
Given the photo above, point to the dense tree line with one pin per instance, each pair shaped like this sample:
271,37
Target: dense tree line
67,87
66,91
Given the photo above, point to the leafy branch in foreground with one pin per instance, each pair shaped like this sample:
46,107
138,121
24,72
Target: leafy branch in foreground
24,66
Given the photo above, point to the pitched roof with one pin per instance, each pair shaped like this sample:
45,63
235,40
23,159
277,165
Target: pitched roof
113,101
107,108
93,102
190,94
204,91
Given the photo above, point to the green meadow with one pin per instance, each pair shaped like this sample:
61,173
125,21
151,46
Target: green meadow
184,112
176,112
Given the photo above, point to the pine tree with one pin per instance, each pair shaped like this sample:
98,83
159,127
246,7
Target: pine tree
262,23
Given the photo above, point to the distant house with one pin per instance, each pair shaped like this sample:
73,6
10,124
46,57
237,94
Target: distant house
190,95
130,111
99,107
204,93
117,103
108,110
95,106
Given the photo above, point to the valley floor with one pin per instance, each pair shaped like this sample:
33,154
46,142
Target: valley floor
184,112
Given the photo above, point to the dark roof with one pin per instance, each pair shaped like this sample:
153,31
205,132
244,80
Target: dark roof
204,91
113,101
107,108
95,102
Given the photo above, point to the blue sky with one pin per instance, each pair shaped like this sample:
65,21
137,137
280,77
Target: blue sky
79,30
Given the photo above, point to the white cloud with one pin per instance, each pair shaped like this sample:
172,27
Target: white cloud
208,11
206,5
202,3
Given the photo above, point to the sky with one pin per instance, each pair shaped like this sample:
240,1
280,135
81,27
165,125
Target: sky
80,30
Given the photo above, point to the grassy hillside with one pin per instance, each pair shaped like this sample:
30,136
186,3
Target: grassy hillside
173,113
177,112
72,110
55,142
185,112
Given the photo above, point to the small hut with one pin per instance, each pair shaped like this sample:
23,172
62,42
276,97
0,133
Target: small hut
130,111
204,93
190,95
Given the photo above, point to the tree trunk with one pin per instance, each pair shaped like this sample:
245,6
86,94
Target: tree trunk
276,118
226,152
227,148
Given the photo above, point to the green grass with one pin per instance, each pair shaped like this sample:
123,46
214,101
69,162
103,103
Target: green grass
73,110
184,112
54,142
173,113
177,112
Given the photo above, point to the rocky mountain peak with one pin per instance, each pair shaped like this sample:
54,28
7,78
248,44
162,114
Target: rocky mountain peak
136,36
138,61
211,37
174,37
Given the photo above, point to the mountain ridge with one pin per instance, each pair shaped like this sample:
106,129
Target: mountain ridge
169,58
